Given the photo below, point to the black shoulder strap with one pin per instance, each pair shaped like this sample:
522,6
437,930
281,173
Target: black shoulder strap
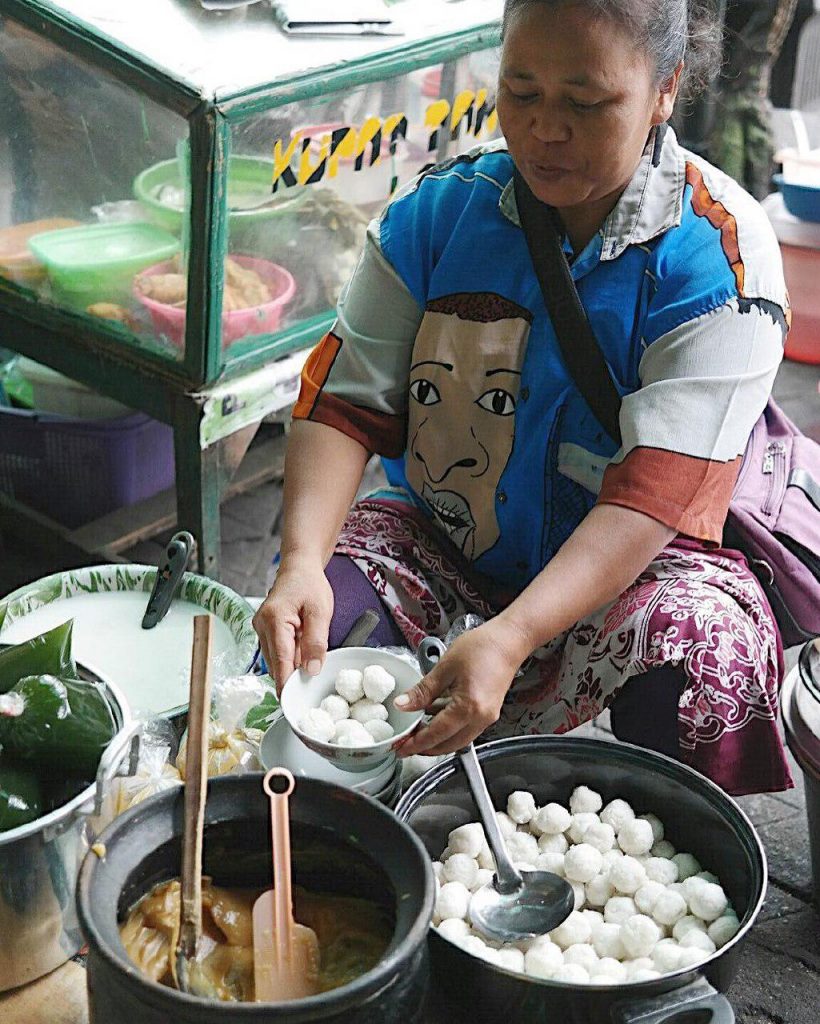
582,354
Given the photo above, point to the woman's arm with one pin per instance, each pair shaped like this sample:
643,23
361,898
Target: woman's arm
603,556
323,469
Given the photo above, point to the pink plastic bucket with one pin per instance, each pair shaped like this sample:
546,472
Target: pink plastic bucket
238,323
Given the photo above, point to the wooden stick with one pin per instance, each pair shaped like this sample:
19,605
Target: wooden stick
196,780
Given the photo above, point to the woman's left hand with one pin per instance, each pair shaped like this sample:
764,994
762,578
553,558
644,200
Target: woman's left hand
477,670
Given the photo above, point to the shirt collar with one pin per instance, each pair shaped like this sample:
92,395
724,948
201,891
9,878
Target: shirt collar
651,204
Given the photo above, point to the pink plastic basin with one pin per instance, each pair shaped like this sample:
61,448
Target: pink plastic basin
238,323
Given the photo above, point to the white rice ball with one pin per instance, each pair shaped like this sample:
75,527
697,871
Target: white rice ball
524,865
627,875
647,894
658,830
606,938
467,839
708,876
598,890
635,837
521,806
666,956
663,848
723,929
474,945
506,825
483,877
582,862
580,823
669,908
571,974
380,731
611,856
581,953
438,869
485,858
708,901
595,917
643,963
690,956
522,846
640,935
460,868
691,884
552,819
454,928
318,724
511,959
377,683
553,843
542,960
349,685
617,813
585,799
353,737
365,710
645,975
453,900
579,894
570,932
697,939
611,970
619,909
336,706
553,862
687,865
686,924
660,869
601,836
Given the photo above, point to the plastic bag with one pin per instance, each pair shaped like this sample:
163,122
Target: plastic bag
48,654
228,752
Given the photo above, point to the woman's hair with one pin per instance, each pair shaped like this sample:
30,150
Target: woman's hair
670,30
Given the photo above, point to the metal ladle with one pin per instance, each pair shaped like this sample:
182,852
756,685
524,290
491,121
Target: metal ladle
517,904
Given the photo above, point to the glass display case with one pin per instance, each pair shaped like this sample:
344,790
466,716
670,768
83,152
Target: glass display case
184,192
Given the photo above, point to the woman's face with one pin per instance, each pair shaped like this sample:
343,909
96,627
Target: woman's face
576,101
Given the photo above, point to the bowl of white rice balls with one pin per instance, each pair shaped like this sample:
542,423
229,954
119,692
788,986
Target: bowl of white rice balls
346,712
668,875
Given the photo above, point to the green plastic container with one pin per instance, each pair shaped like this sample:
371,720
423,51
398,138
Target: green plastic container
160,189
97,262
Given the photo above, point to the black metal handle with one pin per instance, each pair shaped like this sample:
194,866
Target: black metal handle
431,651
168,577
695,1003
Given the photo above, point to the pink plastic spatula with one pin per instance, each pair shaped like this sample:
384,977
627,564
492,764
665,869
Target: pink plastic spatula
285,954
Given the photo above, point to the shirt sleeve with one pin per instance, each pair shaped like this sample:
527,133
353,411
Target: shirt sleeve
704,383
355,380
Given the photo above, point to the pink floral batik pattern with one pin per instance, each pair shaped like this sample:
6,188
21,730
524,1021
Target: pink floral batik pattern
699,609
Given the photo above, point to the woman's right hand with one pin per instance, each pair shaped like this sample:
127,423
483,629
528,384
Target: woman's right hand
294,621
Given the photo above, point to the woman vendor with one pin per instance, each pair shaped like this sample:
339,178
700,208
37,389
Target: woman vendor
598,570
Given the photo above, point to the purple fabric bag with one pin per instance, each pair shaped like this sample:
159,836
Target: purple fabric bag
774,519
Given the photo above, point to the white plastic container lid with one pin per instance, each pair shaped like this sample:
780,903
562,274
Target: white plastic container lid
790,230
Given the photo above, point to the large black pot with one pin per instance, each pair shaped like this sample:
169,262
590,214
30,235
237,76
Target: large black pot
341,841
699,818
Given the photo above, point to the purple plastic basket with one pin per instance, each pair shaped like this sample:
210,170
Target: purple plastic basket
76,470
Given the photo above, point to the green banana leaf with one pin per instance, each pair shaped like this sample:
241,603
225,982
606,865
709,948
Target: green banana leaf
21,799
64,722
47,654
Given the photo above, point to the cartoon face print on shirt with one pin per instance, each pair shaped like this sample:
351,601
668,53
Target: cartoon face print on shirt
464,388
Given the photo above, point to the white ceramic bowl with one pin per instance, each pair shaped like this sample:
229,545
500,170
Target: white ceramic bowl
302,692
281,747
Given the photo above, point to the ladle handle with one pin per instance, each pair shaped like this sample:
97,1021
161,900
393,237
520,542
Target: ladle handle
278,784
508,878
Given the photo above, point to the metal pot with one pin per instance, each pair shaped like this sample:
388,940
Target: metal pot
800,703
341,841
699,818
39,863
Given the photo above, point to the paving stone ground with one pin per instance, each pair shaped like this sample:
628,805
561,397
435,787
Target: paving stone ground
778,981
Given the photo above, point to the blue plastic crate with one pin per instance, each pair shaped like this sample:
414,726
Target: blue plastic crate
76,470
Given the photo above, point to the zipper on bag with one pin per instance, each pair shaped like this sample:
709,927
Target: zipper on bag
774,466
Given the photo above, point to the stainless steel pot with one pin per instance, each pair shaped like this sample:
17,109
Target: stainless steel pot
39,864
800,704
699,818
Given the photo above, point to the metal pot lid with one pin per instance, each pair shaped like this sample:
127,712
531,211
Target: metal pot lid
801,707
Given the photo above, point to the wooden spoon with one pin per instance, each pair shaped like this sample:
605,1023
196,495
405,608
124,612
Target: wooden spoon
285,954
187,970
